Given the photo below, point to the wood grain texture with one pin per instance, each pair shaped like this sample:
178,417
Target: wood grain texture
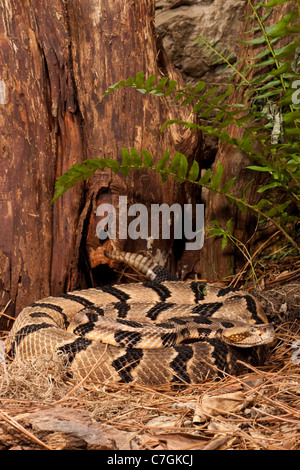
57,58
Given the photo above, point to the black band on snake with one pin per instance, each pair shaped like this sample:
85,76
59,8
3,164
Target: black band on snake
162,331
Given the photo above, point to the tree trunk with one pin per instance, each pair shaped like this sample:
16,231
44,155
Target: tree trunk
57,59
215,262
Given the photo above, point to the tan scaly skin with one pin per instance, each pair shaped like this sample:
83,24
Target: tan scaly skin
158,332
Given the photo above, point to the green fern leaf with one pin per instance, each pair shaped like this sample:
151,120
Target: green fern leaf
216,179
150,82
126,162
194,171
224,241
183,167
205,178
174,163
274,184
147,159
135,158
260,40
273,3
139,80
227,186
162,163
281,29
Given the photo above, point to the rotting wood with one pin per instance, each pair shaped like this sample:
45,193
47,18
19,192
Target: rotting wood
57,59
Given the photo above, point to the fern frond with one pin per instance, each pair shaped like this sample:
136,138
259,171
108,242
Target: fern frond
210,46
177,169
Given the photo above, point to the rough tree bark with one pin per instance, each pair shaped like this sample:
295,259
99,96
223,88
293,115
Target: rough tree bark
57,59
214,262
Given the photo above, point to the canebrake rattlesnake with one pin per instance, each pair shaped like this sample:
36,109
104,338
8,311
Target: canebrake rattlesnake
157,332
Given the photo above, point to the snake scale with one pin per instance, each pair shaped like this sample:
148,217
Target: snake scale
162,331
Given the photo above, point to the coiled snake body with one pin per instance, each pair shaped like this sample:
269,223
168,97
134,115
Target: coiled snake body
157,332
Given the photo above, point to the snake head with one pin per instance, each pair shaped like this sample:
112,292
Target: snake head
247,336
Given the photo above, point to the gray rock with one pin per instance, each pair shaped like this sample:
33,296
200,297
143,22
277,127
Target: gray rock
179,22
